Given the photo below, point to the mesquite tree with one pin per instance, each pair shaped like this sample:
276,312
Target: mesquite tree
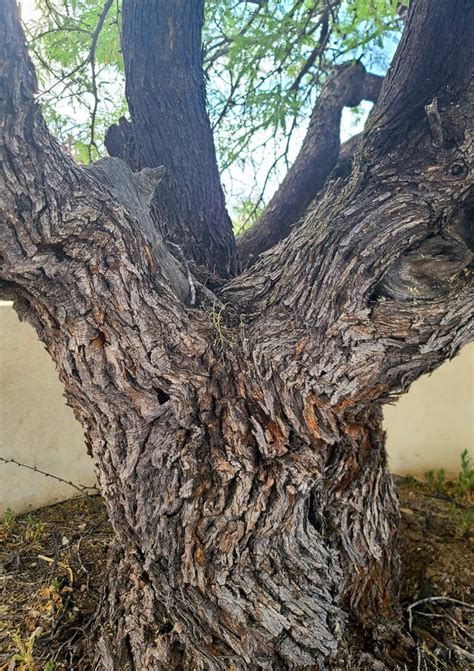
232,401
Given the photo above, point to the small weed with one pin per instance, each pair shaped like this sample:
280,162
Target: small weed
25,654
460,489
50,665
463,519
55,585
8,521
466,475
216,319
34,528
222,339
436,480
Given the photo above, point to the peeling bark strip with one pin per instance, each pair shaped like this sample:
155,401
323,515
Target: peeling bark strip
347,87
237,437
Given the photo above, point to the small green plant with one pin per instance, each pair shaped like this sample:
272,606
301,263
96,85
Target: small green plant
463,519
34,528
25,654
55,585
221,338
9,521
459,489
50,665
464,484
466,476
436,480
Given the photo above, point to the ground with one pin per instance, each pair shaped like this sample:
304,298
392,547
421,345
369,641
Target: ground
52,563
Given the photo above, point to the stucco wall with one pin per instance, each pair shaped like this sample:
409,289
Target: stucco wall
433,423
36,426
427,429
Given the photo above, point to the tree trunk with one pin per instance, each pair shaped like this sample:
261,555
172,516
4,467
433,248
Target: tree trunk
237,435
256,550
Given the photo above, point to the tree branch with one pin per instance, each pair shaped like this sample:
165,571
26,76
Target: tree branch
161,43
119,142
348,150
318,49
348,86
381,270
17,78
50,205
428,63
95,38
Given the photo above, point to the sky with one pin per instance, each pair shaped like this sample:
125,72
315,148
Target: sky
28,9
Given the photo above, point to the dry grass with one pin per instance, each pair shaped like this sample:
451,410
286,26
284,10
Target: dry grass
51,567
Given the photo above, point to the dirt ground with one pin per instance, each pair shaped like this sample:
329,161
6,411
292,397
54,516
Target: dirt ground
52,562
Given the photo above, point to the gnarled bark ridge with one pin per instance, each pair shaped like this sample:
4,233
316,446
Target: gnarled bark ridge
237,435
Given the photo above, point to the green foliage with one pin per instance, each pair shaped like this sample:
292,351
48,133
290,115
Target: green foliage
264,62
25,651
463,519
459,490
81,88
34,528
436,480
462,487
466,475
246,213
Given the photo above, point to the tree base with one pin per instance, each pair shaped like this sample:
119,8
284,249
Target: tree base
136,634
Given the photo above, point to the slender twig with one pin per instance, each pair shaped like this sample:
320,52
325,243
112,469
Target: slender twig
227,41
68,75
318,49
95,38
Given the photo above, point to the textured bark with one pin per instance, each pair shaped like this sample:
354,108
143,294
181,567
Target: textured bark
237,437
347,87
161,43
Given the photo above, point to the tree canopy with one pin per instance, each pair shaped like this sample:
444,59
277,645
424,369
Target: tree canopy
264,60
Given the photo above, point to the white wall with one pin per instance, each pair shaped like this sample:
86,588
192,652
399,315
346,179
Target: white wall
433,423
36,427
427,429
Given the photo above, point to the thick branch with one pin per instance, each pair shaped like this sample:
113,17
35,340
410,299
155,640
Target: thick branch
162,50
43,196
17,78
348,86
348,150
428,63
120,143
380,270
